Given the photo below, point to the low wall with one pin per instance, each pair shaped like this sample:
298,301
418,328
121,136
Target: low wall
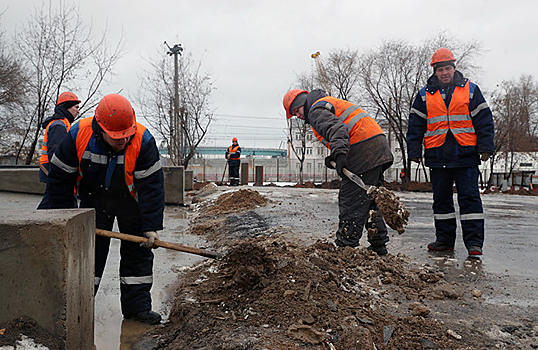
23,180
26,180
47,272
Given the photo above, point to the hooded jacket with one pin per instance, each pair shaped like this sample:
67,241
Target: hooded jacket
58,126
450,154
362,156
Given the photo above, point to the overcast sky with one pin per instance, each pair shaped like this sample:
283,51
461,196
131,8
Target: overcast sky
254,49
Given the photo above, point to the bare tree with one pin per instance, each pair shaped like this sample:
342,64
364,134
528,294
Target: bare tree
155,98
59,52
297,129
393,74
12,95
515,111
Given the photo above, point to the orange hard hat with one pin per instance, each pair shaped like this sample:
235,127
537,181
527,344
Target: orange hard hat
234,139
116,116
442,55
288,100
67,97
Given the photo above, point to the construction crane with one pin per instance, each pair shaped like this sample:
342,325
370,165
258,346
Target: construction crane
322,73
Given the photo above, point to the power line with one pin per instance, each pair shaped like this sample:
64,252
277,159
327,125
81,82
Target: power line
248,117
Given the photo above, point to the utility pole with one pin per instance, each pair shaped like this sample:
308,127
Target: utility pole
176,125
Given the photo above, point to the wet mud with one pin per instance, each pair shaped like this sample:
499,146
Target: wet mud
272,293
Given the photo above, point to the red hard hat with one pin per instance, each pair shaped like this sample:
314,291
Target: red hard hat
288,100
116,116
442,55
234,139
66,97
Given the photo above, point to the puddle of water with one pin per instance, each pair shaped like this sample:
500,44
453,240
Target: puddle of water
111,331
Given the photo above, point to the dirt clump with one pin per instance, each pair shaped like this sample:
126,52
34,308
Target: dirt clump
21,327
393,210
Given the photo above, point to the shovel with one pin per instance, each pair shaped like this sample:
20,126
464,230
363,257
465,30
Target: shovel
159,243
355,178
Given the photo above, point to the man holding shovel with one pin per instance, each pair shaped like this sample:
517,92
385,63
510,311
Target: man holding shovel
357,143
114,163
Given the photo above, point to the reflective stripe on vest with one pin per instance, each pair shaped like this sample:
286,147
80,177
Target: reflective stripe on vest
44,158
457,118
233,149
128,160
360,126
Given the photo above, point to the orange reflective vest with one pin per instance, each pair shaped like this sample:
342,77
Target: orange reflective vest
359,124
456,118
132,151
233,149
44,158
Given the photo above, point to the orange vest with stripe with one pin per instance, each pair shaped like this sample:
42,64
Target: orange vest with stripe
456,118
132,150
360,125
44,158
233,149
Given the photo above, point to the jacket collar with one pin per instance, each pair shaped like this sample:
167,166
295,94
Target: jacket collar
433,82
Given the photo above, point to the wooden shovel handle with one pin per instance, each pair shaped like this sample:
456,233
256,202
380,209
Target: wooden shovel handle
159,243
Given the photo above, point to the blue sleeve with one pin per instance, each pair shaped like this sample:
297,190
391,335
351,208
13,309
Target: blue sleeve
56,134
482,121
416,127
63,174
149,183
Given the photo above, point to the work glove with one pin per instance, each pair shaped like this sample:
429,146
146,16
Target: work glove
151,236
484,156
416,160
328,161
341,163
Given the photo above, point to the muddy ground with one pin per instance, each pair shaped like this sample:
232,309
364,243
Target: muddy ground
284,285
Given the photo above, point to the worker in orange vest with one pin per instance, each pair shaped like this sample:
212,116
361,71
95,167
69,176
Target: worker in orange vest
56,127
233,154
357,143
114,162
452,119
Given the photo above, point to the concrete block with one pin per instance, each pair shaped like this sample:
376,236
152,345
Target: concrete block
22,180
258,175
174,185
189,180
47,271
244,173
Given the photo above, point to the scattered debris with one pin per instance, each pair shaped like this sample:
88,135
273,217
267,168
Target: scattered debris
453,334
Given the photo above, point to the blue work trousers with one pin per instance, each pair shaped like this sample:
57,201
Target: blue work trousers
470,205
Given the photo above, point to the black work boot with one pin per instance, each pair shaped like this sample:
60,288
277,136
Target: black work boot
439,246
381,250
147,317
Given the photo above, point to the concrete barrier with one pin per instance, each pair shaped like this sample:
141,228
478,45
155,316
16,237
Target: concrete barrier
22,180
174,181
47,272
26,180
258,175
244,173
189,180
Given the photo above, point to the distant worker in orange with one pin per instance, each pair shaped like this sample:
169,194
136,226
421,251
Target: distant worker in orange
56,127
233,154
357,143
454,122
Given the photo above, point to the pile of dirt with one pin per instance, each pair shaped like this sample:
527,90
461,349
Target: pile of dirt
26,327
270,294
236,201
